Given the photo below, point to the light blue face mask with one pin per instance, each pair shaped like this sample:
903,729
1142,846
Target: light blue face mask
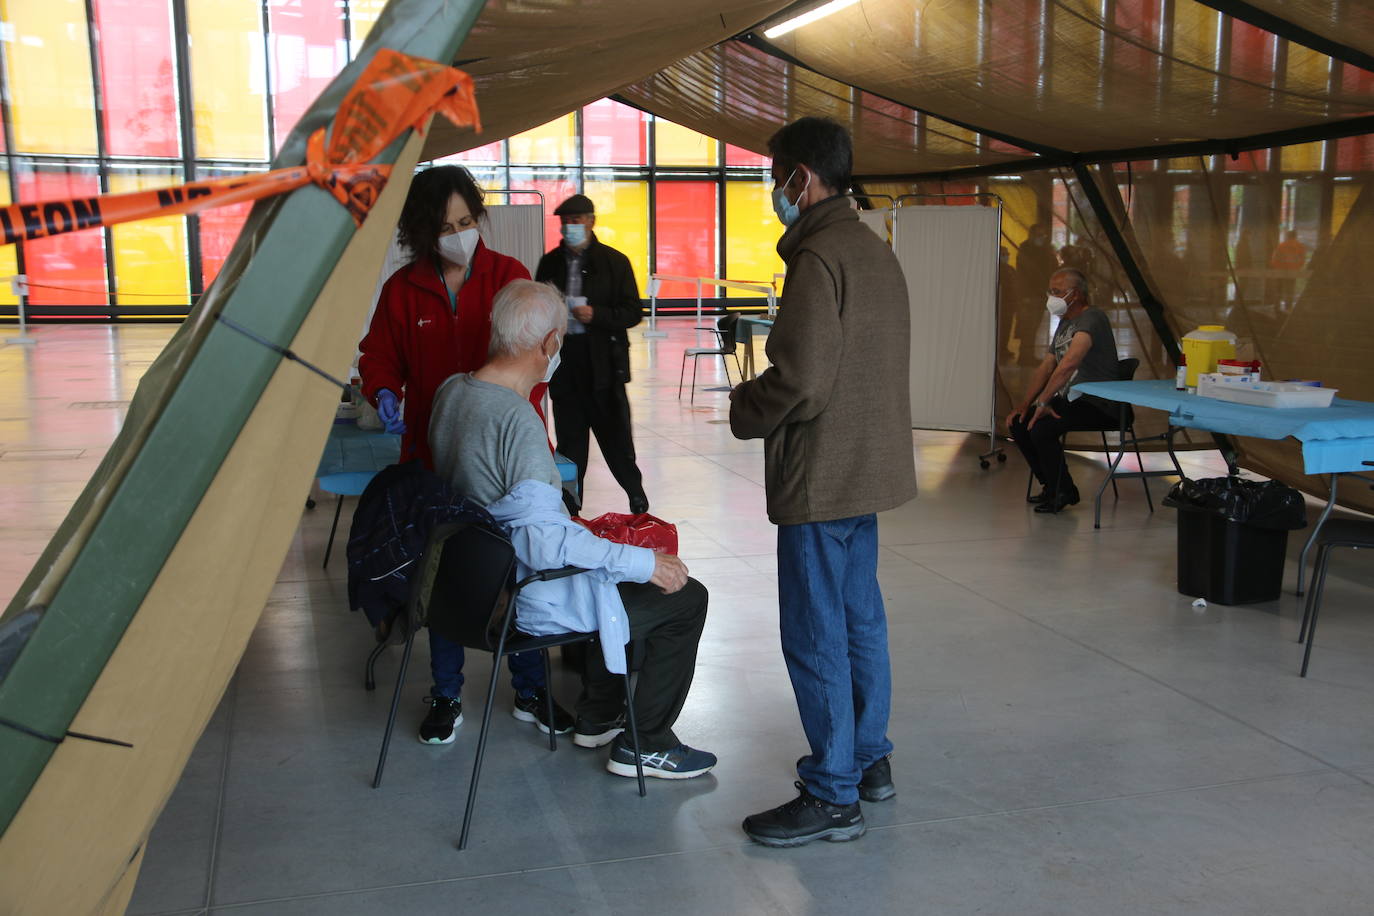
788,211
575,234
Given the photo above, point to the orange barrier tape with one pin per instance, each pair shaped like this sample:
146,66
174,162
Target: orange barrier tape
394,93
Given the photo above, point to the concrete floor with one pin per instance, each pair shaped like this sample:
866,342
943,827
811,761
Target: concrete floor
1073,737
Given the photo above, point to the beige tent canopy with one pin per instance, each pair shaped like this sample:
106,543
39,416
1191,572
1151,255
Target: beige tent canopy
1170,145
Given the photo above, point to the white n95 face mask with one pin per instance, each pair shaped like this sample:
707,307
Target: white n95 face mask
459,246
553,366
1056,306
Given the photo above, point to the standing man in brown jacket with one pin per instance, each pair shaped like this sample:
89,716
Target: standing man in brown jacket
834,410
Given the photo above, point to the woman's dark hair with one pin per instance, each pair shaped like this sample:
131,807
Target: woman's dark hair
422,215
820,144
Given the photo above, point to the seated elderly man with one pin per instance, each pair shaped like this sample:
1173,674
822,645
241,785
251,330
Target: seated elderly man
489,444
1083,350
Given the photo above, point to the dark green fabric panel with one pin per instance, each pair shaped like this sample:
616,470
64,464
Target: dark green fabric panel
186,414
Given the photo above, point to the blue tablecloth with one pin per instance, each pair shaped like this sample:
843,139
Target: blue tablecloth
1335,439
353,456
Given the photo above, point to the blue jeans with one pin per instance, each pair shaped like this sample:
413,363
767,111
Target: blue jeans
834,640
446,667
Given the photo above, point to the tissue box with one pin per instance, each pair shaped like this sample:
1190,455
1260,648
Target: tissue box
1248,389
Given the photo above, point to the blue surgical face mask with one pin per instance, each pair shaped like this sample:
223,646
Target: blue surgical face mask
788,211
575,234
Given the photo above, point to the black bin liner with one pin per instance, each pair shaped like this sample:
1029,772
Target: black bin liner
1233,537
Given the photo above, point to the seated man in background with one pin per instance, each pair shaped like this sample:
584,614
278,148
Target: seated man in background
489,444
1083,350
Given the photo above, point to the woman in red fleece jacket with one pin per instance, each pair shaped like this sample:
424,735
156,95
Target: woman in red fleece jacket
434,315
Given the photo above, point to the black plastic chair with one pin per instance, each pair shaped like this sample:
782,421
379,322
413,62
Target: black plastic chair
1126,438
464,593
728,342
1352,533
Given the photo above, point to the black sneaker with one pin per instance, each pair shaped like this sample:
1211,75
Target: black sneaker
598,734
535,708
875,784
803,819
681,762
445,715
1054,505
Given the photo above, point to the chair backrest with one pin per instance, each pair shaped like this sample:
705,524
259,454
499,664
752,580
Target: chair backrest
464,584
1125,369
729,329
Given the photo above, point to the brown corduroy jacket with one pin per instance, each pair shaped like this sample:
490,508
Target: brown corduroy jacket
835,405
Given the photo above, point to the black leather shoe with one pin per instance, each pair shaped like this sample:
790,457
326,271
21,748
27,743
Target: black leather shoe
803,819
639,505
1063,501
1040,497
875,784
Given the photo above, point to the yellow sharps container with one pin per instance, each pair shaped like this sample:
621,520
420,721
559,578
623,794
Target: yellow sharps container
1203,347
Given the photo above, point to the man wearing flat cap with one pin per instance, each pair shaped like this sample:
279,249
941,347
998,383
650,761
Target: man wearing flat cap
588,390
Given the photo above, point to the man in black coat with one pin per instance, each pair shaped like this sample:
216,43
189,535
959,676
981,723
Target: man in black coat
588,390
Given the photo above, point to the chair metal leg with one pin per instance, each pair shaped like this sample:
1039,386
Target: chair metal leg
1318,584
695,362
1102,488
1106,450
1140,463
395,702
681,374
634,733
726,366
481,749
338,507
739,367
370,674
548,698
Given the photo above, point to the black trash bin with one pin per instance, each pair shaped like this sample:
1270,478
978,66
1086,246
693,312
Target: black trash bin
1233,537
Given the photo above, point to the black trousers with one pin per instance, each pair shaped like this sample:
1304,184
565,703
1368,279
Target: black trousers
1041,446
579,409
669,627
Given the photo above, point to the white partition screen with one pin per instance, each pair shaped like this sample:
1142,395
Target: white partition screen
949,255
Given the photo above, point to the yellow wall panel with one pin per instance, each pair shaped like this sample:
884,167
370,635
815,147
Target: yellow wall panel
9,258
362,16
622,221
752,231
48,58
1342,199
1305,157
678,145
554,143
227,78
150,254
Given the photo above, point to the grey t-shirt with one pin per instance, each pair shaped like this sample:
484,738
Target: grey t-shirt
486,439
1099,365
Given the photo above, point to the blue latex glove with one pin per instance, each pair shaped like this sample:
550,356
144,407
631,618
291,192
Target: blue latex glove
389,412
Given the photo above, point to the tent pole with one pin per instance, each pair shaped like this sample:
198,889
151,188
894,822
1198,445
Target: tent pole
1148,300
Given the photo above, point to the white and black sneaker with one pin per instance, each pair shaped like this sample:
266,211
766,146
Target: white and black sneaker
803,819
445,715
535,708
681,762
598,734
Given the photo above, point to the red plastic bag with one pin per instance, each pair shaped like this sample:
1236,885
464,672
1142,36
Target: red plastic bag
636,530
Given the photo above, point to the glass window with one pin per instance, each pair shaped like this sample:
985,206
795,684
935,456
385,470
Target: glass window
48,58
685,228
362,16
554,143
491,154
675,145
752,232
228,78
68,269
1305,157
219,228
138,77
736,157
307,51
555,186
614,134
150,254
622,221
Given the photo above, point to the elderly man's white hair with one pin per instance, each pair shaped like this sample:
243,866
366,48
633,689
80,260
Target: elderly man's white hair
522,316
